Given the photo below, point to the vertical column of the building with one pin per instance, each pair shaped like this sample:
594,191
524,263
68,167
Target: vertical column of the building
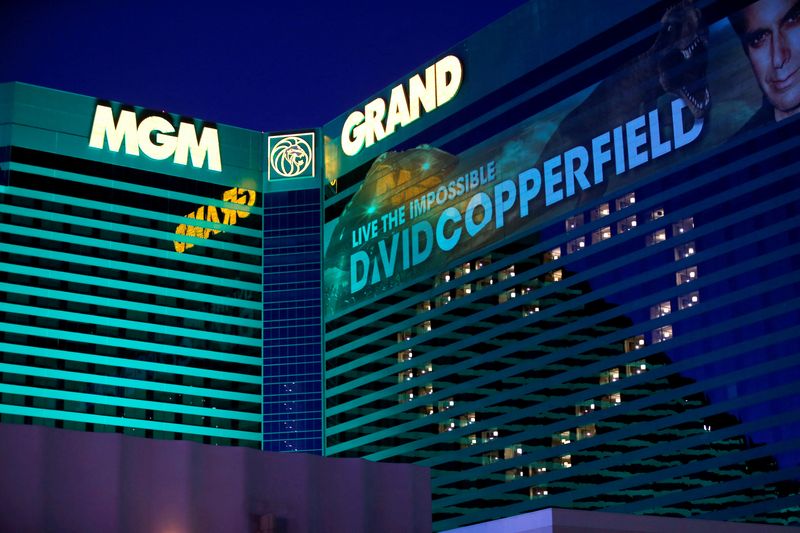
292,297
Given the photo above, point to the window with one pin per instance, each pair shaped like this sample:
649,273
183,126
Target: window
609,376
662,334
626,201
507,295
611,400
655,214
506,273
688,300
656,237
626,224
635,368
444,405
555,275
585,408
662,309
490,434
406,375
443,299
576,244
601,234
483,261
529,309
686,275
469,440
586,432
682,226
447,425
553,254
685,250
600,211
634,343
561,438
574,222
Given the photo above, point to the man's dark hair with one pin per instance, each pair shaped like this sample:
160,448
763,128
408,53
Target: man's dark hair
739,24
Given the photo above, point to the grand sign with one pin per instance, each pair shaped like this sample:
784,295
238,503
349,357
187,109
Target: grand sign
377,121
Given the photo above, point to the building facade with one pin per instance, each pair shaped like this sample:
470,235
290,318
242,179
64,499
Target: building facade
561,269
133,272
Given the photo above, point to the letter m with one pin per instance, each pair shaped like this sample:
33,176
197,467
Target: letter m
104,128
207,145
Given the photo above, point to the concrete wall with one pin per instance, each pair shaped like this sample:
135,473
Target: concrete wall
59,480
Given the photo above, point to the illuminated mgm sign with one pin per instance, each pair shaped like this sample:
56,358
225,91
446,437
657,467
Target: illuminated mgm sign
156,137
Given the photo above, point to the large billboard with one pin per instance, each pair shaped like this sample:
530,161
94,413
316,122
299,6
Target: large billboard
692,90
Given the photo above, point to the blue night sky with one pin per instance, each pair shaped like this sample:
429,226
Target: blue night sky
259,65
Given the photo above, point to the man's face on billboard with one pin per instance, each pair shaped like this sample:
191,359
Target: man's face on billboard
772,41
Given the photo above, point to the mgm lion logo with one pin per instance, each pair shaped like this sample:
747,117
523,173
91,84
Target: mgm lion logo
291,156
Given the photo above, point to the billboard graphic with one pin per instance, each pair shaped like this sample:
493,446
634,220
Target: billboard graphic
422,209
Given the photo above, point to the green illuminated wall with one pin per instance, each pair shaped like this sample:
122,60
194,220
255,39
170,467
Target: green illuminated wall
104,324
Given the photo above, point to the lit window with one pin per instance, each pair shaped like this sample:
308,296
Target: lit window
685,250
530,309
507,295
634,343
655,214
626,224
662,334
600,211
566,461
553,254
468,419
574,222
482,262
561,438
656,237
688,300
555,275
609,376
682,226
686,275
506,273
585,408
635,368
611,400
662,309
601,234
443,299
537,492
405,355
576,244
626,201
586,432
490,434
